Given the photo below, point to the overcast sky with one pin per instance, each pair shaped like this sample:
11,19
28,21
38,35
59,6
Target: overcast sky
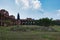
35,9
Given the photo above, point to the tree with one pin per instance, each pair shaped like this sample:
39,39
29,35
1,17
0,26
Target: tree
45,22
18,16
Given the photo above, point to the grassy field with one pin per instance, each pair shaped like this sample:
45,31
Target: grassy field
6,34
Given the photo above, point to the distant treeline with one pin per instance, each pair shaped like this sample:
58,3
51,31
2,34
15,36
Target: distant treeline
43,22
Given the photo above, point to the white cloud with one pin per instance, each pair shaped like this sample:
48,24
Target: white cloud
35,4
58,12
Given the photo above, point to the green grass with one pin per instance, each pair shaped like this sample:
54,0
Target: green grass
6,34
56,27
30,36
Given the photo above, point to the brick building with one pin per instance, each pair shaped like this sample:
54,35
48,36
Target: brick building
5,19
8,20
